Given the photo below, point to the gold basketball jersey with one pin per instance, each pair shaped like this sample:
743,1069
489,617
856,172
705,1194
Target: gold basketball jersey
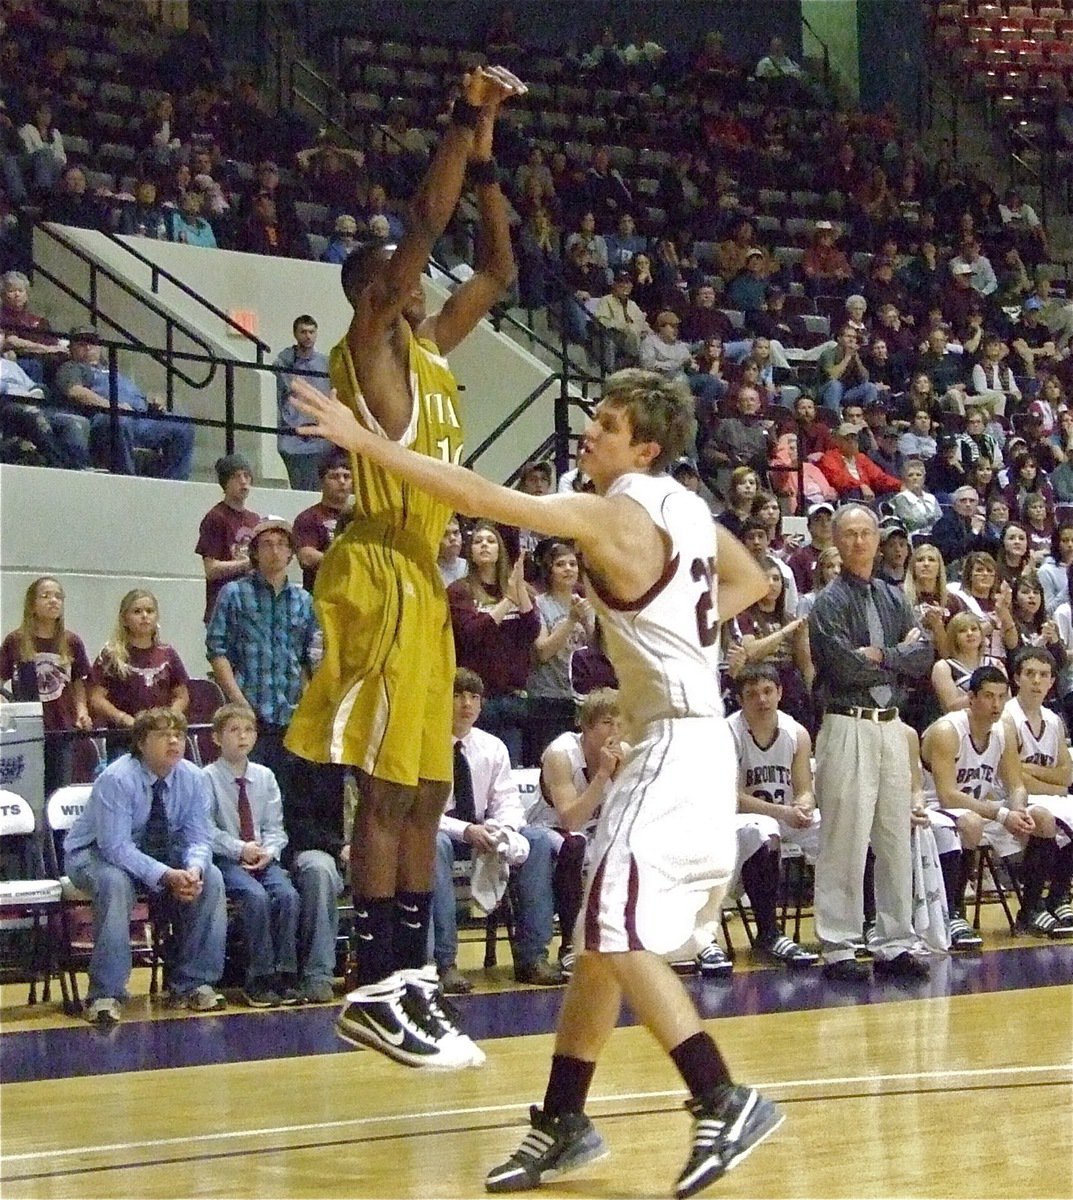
435,429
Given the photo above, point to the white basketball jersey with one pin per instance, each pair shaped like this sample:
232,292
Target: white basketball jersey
543,811
977,768
1042,751
766,773
664,646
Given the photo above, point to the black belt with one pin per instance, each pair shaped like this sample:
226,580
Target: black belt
863,714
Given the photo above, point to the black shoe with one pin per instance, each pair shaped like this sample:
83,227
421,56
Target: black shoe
437,1014
388,1017
553,1146
541,973
901,966
260,997
846,970
725,1129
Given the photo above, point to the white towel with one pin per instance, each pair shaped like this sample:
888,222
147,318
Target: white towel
929,894
491,868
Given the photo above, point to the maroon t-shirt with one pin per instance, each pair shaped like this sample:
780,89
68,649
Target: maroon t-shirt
53,674
500,654
314,527
154,675
222,535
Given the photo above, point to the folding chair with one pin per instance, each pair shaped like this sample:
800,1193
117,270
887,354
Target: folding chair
29,902
986,860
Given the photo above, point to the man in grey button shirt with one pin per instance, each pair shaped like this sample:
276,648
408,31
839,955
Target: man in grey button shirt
863,639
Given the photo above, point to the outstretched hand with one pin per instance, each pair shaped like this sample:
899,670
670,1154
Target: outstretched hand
329,417
490,86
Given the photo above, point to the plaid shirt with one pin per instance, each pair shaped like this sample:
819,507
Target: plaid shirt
266,637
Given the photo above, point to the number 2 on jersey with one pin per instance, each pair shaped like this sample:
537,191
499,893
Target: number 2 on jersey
707,621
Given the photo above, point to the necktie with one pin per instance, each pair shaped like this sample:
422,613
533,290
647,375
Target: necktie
245,814
465,807
881,692
155,836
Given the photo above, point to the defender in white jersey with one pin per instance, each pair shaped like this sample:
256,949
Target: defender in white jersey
576,773
1048,771
664,846
974,789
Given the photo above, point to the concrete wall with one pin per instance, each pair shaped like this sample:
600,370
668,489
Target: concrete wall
102,535
496,373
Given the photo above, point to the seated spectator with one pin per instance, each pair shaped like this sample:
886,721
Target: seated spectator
452,566
826,268
918,441
1021,223
924,277
765,632
1013,555
981,274
485,817
709,360
335,175
343,240
703,320
147,823
743,439
740,493
1038,523
1049,405
946,472
662,352
61,439
267,181
188,226
535,171
157,133
1025,478
45,157
624,243
71,204
998,517
767,510
27,338
1057,311
1035,628
783,475
915,508
814,436
960,531
892,561
946,370
885,453
852,474
731,254
991,601
828,566
777,64
262,232
747,290
593,242
145,217
248,838
1053,573
976,443
883,288
495,624
623,323
538,252
83,381
586,282
967,650
135,670
841,376
1030,339
646,289
606,193
224,533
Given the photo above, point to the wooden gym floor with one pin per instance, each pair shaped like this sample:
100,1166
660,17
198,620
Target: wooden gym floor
962,1087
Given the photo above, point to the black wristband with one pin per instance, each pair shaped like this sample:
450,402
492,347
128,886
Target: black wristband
464,113
485,171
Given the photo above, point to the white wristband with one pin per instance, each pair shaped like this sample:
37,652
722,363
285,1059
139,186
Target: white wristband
1002,814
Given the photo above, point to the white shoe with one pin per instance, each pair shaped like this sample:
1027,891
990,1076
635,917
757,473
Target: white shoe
393,1018
104,1013
424,983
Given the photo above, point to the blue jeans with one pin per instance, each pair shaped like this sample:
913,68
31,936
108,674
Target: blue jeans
532,882
173,439
268,912
62,437
303,470
319,885
835,395
201,926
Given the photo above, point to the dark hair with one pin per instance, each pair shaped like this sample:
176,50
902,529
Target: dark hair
331,460
982,676
1056,538
751,524
760,672
1035,624
148,720
1005,571
304,319
231,464
359,268
1032,652
767,564
468,681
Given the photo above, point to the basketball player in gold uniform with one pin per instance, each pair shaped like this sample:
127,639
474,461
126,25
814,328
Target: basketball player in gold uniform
381,700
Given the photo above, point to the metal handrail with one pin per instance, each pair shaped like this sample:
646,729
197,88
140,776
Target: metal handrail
158,272
163,357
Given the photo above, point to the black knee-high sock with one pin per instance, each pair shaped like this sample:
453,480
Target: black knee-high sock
1061,875
760,878
1036,869
701,1065
567,885
568,1085
952,868
374,928
411,929
870,888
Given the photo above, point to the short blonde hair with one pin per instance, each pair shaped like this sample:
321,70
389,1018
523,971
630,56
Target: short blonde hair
599,703
231,712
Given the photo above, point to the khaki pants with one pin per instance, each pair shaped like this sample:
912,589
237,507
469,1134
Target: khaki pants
863,793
